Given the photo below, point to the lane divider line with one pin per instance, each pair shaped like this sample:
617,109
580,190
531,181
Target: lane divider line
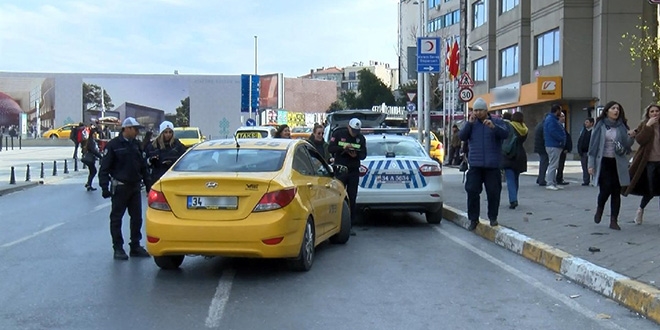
35,234
220,298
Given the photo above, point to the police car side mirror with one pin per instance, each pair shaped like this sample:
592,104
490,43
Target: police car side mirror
339,169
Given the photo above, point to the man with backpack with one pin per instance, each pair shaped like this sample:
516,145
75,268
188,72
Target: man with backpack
74,137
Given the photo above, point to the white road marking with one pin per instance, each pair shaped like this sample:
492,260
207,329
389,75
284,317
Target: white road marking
533,282
220,299
100,207
45,230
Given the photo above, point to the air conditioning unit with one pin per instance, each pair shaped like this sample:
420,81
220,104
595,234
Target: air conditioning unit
437,7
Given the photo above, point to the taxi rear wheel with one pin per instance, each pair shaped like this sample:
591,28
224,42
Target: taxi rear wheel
305,258
345,231
53,136
169,262
434,218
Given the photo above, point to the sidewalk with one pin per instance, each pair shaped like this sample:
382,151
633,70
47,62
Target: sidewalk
556,229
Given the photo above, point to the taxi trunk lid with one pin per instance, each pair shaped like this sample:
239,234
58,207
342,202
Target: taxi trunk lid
220,197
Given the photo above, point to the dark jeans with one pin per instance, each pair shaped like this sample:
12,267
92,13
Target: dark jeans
475,179
543,167
92,173
126,197
454,156
651,175
584,158
608,182
75,150
351,181
560,167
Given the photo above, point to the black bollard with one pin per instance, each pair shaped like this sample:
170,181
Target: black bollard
12,143
20,142
6,142
75,165
41,176
27,173
12,177
54,168
66,167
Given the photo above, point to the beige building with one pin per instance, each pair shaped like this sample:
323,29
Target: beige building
379,69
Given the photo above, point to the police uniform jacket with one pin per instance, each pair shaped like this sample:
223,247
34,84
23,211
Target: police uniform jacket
336,148
123,161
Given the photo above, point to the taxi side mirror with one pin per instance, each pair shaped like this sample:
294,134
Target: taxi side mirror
339,169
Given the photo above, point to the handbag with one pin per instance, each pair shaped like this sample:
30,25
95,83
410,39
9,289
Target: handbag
463,166
88,159
619,149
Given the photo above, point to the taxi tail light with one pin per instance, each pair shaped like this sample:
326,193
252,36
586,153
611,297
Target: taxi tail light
363,170
430,170
276,199
157,200
439,147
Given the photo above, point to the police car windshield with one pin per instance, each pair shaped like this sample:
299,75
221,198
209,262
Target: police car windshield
381,147
231,160
187,134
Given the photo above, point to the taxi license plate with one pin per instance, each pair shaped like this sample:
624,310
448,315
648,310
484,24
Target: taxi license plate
213,203
248,135
394,178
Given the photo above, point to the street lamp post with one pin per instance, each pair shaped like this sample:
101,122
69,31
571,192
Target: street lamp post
420,78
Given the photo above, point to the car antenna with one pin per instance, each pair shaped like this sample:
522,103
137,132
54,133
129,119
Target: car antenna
238,147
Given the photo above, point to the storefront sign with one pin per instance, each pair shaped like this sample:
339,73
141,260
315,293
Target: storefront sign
549,88
505,94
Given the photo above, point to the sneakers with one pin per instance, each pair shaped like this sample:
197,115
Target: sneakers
552,187
120,254
139,251
473,225
639,217
513,205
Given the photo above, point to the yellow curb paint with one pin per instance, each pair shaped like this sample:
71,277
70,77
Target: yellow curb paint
544,254
486,231
639,297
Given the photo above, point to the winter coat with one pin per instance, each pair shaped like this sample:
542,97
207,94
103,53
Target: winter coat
583,141
321,147
568,147
485,144
597,146
166,157
539,143
554,134
519,162
639,184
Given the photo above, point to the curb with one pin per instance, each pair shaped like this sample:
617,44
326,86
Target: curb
639,297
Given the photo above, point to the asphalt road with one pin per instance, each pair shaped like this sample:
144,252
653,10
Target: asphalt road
397,273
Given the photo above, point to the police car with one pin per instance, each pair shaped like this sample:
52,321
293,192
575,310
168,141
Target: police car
399,175
339,120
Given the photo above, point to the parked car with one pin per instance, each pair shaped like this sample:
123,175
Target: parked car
59,133
301,132
340,119
437,151
189,136
399,175
254,198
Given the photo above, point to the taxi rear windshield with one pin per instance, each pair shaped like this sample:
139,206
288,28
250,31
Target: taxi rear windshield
191,134
231,160
251,134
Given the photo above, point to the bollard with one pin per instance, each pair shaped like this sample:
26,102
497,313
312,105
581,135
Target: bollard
54,168
12,177
0,142
41,176
12,143
75,165
66,167
27,173
6,142
20,142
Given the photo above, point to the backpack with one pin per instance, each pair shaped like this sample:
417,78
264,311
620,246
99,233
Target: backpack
83,134
510,144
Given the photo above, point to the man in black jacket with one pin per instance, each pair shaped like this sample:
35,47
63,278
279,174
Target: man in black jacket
583,149
123,168
349,147
539,148
568,147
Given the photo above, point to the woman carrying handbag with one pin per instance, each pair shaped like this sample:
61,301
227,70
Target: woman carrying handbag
90,154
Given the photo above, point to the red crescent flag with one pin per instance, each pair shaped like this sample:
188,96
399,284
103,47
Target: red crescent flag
455,60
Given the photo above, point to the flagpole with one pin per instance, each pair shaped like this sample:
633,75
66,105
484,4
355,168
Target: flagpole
445,95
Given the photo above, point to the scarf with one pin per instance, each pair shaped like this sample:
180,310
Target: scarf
609,123
521,128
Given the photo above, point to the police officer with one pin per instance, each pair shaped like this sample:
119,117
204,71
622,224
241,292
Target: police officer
349,148
123,169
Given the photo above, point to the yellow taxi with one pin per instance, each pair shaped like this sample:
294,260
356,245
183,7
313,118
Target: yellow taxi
255,198
189,136
63,132
437,151
301,132
255,132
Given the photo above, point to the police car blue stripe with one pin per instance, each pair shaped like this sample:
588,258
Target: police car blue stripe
413,174
373,172
402,167
387,166
421,177
366,177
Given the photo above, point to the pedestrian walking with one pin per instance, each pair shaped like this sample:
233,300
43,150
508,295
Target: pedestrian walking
123,169
74,136
568,148
539,148
514,160
348,147
610,143
645,168
583,149
484,135
90,153
283,132
164,151
316,139
554,136
454,147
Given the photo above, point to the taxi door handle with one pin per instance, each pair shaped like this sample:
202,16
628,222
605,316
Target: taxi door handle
327,185
309,184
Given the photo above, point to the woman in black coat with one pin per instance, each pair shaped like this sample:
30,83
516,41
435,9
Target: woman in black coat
163,151
90,153
515,162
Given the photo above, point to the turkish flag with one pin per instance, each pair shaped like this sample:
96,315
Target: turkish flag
448,58
455,60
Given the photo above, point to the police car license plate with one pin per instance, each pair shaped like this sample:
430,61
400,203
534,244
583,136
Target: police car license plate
394,178
248,135
213,203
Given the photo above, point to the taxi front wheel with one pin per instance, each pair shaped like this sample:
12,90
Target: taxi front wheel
169,262
305,258
345,226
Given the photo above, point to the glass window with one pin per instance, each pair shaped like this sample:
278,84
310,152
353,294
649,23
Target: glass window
509,61
301,163
479,67
321,168
186,134
547,48
457,16
351,75
507,5
381,147
479,14
231,160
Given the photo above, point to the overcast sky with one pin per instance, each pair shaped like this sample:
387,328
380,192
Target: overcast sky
195,36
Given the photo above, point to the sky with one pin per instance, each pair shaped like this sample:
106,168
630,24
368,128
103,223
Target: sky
195,36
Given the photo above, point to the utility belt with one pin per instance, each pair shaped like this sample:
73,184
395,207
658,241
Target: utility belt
114,183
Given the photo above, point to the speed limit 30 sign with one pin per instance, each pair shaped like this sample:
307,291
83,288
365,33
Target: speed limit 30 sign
465,94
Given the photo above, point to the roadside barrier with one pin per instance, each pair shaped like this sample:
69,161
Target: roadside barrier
12,176
75,165
66,167
54,168
27,173
41,176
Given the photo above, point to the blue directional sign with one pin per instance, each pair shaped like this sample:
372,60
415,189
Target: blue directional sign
428,54
250,122
249,97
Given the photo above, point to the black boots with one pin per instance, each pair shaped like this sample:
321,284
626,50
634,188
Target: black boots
599,214
120,254
614,223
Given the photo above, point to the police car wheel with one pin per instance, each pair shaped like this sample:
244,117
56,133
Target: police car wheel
169,262
434,218
345,231
305,258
